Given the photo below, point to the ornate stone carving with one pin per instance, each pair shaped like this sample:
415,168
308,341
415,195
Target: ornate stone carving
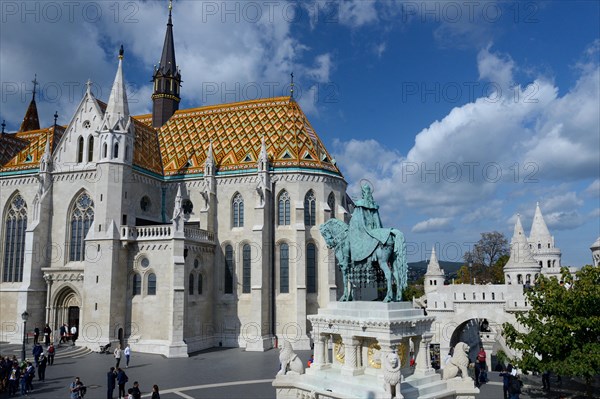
391,375
458,362
290,362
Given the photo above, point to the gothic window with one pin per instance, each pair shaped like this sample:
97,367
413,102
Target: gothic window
80,149
104,150
82,217
246,271
331,205
284,208
284,269
229,269
238,210
116,151
191,284
519,279
310,209
311,268
90,149
200,284
151,290
549,263
539,246
15,225
137,284
126,152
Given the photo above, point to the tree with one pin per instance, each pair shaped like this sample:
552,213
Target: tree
485,255
561,332
415,290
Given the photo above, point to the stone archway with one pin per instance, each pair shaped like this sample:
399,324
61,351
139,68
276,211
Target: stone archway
478,332
65,309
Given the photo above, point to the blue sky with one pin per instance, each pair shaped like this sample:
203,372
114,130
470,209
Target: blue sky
461,114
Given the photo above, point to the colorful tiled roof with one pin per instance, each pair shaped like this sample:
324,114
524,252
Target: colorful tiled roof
146,153
24,150
236,131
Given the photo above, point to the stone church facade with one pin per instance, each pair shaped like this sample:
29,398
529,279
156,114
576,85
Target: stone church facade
174,231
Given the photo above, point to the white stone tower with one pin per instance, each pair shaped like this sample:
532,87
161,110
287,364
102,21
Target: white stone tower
521,267
596,253
435,276
542,247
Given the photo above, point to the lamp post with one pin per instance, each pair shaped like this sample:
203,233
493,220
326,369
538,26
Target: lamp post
470,261
24,316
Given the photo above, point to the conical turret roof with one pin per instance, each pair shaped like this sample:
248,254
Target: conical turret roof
539,230
433,267
520,253
117,109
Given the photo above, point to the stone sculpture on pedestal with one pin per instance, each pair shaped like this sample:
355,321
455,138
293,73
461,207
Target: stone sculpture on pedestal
458,362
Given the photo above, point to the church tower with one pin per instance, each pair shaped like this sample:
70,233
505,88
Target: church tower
167,80
542,245
435,276
521,267
31,121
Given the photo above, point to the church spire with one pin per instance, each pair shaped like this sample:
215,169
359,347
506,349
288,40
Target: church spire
539,231
166,79
31,121
117,109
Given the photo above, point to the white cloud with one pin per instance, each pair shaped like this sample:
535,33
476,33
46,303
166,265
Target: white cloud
495,68
594,213
593,189
356,13
433,224
564,220
379,49
561,201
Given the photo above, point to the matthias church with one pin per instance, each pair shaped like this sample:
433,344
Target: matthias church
174,231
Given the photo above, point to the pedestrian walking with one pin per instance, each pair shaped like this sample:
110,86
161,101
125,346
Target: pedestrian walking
13,379
111,382
77,389
42,368
117,354
506,374
127,353
546,380
51,351
73,334
121,381
47,332
155,393
30,375
63,333
37,352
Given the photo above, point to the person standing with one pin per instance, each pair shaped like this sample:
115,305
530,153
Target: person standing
514,386
481,361
73,334
51,351
30,374
37,351
155,394
47,332
63,333
118,353
111,382
36,335
135,391
121,381
546,380
506,374
42,368
13,379
127,353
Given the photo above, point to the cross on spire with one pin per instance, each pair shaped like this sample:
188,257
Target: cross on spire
35,83
292,85
3,125
55,117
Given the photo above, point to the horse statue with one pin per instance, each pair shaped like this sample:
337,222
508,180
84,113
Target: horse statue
363,244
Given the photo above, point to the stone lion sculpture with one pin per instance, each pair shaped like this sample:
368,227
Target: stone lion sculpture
391,374
290,362
458,362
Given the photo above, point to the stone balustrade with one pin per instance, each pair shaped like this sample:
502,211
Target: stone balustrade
164,232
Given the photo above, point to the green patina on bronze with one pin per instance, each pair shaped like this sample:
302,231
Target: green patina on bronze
363,245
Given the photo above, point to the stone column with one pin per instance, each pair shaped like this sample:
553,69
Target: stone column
48,297
350,356
423,361
321,356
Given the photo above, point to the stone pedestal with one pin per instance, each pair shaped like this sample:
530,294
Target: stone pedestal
364,337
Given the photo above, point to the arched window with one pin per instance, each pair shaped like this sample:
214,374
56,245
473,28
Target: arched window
151,290
238,210
104,150
137,285
539,246
284,208
82,217
191,284
116,151
549,263
310,209
246,271
229,269
15,224
284,269
311,268
200,284
90,148
80,149
331,205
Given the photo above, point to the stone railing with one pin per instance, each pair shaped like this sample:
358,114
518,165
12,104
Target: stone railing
164,232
